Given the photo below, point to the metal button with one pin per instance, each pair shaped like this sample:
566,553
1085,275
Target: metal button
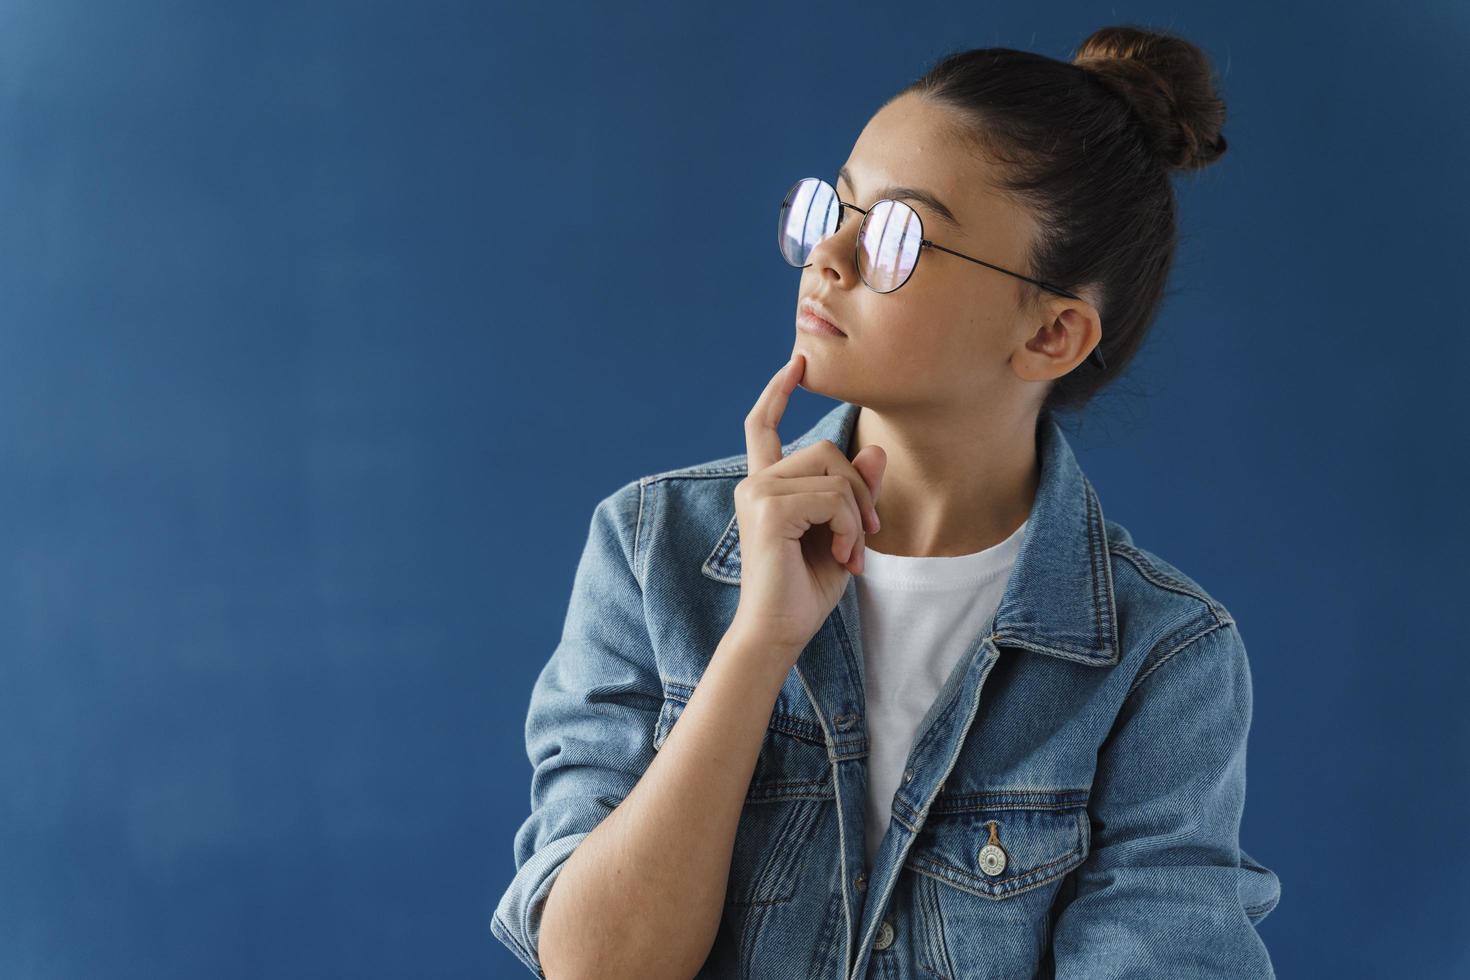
861,881
885,935
844,722
992,859
908,775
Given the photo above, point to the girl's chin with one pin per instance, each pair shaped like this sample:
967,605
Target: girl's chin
822,373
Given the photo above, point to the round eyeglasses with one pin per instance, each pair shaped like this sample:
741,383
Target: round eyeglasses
889,242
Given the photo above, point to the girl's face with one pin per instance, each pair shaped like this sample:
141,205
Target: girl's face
955,332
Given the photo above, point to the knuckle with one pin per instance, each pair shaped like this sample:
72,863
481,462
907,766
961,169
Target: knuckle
835,456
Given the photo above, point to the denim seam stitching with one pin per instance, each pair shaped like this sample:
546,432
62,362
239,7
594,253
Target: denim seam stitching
1143,675
1061,799
773,873
842,829
962,879
638,537
510,934
727,542
701,472
941,938
1161,578
1098,558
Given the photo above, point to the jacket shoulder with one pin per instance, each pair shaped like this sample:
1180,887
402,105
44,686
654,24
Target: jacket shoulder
1160,582
1161,610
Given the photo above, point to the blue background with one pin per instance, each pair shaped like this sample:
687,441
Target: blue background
324,326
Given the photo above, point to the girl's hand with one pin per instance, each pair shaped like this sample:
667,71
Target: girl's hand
802,518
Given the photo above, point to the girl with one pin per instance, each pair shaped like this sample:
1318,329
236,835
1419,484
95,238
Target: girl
896,699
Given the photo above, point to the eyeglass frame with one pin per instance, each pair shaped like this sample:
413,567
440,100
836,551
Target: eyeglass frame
1095,355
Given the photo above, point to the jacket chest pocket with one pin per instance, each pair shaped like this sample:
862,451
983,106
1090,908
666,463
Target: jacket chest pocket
990,865
788,807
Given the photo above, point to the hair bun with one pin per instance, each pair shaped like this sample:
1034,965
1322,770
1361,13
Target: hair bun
1170,86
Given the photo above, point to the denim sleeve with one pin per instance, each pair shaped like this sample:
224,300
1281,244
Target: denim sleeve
589,728
1166,890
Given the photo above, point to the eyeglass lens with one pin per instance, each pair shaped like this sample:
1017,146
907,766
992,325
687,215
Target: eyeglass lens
889,238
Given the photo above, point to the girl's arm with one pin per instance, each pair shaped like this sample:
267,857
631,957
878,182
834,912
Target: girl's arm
643,894
643,838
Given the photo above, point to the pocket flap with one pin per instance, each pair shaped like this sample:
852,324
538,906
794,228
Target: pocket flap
997,844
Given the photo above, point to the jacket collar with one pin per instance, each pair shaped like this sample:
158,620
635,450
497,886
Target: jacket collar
1059,598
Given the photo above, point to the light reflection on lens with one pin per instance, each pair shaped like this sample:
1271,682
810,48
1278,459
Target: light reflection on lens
809,214
889,238
888,245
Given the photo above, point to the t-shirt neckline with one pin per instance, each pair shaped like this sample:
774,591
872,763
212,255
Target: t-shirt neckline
943,571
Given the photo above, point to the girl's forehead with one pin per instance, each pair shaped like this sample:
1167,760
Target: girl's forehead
912,143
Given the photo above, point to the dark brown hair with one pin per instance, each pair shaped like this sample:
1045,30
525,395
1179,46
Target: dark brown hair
1088,146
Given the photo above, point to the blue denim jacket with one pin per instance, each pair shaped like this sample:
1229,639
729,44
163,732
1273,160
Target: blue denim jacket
1072,801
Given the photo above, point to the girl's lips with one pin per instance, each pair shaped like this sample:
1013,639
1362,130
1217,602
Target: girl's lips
812,323
819,317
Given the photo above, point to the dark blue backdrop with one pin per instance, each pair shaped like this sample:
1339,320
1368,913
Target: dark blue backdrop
324,326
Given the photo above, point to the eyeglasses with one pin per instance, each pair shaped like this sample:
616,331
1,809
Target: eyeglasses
811,212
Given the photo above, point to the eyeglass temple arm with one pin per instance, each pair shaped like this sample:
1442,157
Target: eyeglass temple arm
1095,356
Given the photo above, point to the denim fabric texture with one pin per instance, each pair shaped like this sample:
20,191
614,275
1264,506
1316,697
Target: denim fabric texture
1072,801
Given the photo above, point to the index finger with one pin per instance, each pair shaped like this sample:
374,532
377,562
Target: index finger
762,441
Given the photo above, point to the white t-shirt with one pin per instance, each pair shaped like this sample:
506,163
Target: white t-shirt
918,616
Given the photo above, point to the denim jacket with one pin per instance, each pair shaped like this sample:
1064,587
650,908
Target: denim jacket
1072,801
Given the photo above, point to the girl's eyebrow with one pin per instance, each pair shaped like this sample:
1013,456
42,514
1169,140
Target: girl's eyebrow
909,193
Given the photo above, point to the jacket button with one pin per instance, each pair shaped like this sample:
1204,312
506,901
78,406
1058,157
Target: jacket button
992,859
844,722
908,775
885,935
861,881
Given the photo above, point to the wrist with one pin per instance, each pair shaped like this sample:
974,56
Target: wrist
753,646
